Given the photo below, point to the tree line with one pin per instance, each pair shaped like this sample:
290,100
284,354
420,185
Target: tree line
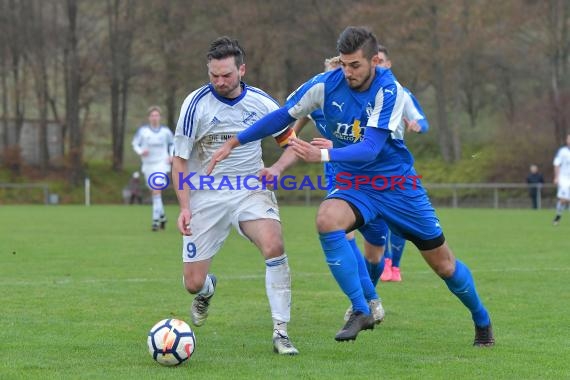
65,60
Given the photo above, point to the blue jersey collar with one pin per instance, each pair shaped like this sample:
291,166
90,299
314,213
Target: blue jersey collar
229,102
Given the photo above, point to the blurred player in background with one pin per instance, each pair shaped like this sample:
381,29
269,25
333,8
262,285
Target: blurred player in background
154,143
562,179
359,87
413,120
209,117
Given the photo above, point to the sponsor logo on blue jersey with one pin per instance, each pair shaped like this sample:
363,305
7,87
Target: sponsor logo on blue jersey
349,132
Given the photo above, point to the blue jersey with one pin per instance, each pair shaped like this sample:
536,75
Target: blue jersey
347,113
318,118
329,170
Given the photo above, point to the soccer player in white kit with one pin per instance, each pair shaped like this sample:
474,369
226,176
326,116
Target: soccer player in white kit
562,179
208,209
154,144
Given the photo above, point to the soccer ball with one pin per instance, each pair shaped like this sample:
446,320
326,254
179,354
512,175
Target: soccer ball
171,342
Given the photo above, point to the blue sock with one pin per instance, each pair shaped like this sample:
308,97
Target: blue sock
367,286
462,285
375,270
344,268
397,244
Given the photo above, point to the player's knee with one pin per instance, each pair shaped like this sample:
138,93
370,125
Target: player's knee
444,265
444,269
272,248
193,284
373,253
327,221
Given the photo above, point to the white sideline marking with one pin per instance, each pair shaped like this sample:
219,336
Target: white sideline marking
245,277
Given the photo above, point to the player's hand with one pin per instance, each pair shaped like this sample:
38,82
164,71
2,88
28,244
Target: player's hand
271,174
184,222
412,126
555,181
144,153
305,151
221,154
322,143
169,160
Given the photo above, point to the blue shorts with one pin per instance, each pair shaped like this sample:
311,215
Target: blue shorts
407,212
329,173
375,232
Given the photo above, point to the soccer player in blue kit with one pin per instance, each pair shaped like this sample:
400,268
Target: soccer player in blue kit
363,100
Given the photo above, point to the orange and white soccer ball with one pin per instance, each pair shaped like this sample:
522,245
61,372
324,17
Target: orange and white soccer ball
171,342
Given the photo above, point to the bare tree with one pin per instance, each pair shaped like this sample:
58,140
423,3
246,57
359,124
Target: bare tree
4,71
121,24
16,44
72,93
558,49
36,55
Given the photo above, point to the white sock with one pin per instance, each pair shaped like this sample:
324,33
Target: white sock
208,288
278,287
559,207
157,207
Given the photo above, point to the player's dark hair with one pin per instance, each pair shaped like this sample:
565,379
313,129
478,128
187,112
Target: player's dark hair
223,47
354,38
383,49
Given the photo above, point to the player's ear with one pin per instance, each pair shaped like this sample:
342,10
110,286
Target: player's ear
242,70
375,60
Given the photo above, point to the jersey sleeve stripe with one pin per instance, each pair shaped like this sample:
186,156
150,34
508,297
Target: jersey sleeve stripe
194,111
188,117
262,93
192,101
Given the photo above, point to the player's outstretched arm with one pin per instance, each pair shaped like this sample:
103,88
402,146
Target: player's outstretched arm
288,158
183,194
271,123
222,153
300,124
322,143
365,150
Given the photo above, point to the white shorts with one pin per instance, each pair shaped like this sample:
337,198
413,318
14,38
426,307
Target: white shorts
149,170
563,190
215,212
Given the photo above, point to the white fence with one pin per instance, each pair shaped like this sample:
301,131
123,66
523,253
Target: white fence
492,195
20,195
456,195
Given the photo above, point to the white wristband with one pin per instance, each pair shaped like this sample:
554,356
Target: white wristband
325,155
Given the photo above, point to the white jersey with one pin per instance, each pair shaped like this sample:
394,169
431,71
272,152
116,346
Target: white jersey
157,141
410,112
207,121
562,160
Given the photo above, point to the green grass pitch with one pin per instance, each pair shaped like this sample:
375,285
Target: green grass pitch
80,287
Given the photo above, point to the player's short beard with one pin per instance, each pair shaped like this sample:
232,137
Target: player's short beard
227,92
359,87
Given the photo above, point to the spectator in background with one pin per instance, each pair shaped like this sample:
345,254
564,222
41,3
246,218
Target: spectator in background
135,189
534,180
